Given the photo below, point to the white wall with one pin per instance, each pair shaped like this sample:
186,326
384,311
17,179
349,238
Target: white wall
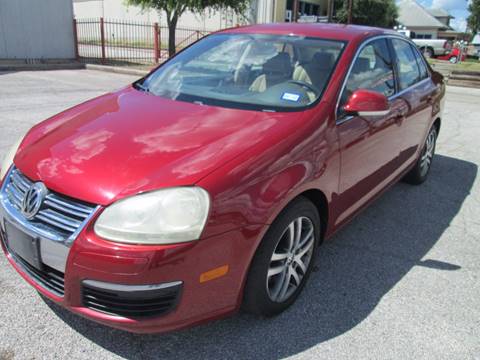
117,10
33,29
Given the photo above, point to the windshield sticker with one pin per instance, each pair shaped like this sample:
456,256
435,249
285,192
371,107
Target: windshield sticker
290,97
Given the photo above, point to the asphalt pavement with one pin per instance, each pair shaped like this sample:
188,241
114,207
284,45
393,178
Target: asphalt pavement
401,281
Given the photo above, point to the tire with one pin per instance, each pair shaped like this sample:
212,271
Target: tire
427,53
420,171
453,59
269,291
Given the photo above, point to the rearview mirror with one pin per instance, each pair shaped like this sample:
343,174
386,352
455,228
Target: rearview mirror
367,103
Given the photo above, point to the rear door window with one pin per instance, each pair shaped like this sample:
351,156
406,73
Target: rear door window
420,62
408,71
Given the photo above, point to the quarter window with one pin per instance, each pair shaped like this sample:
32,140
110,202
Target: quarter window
372,70
408,72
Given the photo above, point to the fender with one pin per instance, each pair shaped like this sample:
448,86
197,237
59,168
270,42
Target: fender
266,182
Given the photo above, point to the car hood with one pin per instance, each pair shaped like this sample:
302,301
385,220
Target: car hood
129,142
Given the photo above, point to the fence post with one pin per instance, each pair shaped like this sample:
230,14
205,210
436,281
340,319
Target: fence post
102,36
198,35
156,49
75,38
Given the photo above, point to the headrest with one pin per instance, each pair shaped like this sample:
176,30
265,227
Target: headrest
280,63
323,60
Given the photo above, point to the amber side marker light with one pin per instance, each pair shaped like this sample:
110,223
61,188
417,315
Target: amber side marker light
214,273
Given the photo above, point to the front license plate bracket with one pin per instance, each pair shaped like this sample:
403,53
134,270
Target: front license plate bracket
23,245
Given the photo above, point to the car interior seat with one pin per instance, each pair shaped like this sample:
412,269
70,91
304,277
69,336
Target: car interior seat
275,71
316,71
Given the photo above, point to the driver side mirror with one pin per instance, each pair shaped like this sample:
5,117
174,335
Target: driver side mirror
367,103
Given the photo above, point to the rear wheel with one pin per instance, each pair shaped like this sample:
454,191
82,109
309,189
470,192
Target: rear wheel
283,260
421,169
453,59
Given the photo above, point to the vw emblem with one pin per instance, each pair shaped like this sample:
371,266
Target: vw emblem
33,200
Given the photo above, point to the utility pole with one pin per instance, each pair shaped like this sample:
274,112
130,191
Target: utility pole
296,6
330,10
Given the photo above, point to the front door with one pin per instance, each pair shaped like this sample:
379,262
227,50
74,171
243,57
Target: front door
370,146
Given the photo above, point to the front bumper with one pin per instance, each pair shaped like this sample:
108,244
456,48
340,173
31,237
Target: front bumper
91,259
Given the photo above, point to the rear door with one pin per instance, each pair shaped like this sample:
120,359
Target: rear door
415,98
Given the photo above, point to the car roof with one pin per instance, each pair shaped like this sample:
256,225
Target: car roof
326,31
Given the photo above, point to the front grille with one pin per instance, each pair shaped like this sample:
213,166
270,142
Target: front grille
48,278
59,215
131,303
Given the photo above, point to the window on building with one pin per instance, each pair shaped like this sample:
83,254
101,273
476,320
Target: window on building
423,36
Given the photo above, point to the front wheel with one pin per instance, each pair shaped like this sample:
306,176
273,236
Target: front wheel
420,171
283,260
453,59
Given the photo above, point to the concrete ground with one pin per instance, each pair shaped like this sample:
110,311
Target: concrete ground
402,281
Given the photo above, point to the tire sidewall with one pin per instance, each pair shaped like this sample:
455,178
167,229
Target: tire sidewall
256,296
433,154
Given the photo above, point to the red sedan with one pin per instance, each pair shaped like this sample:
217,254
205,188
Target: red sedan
210,184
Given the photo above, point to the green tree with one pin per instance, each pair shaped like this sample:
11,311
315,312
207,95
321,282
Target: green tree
175,8
473,19
381,13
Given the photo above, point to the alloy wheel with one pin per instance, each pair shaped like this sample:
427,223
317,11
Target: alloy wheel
453,59
290,259
428,152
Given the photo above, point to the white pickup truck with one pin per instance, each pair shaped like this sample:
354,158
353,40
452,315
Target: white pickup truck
429,47
433,47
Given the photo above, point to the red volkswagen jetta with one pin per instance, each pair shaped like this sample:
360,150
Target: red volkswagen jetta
209,184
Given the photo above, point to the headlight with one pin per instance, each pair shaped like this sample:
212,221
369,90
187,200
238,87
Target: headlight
8,159
166,216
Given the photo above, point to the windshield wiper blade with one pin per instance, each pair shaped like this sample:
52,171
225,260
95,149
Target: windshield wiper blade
142,87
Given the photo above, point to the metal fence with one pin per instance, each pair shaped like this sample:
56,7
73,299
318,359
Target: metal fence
105,40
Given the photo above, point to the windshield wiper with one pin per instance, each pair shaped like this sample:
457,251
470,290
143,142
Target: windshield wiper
141,87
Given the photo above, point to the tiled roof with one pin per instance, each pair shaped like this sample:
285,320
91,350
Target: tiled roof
437,12
412,14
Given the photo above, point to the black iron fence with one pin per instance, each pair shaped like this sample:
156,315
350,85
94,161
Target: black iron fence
105,40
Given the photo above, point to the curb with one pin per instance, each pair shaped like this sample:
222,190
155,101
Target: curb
466,72
116,69
6,67
41,67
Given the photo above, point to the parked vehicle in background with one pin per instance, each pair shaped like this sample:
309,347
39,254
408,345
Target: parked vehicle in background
454,56
433,47
475,46
209,184
429,47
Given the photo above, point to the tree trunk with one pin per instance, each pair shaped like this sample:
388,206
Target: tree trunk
172,27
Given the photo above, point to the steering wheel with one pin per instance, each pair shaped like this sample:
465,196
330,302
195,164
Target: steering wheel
305,85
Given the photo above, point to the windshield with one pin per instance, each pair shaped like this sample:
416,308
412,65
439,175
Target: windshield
256,72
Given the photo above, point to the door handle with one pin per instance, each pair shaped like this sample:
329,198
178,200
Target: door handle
399,117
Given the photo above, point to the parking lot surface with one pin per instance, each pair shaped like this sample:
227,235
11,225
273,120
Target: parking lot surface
401,281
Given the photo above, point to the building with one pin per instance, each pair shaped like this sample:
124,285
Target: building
31,29
118,10
425,23
283,10
261,11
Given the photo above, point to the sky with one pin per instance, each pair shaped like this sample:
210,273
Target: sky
457,8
